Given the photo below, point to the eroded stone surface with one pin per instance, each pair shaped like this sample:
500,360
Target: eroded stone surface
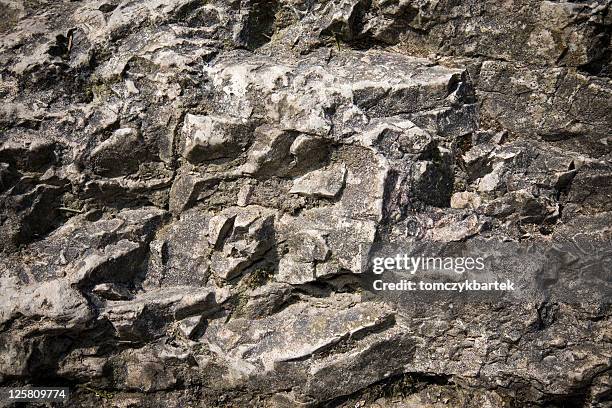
188,190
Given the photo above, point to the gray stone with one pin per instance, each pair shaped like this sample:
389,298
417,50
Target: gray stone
149,314
293,271
270,152
184,192
190,326
112,291
118,154
448,229
209,138
314,328
219,228
251,235
465,199
325,183
189,191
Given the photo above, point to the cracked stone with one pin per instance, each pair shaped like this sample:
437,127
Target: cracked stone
325,183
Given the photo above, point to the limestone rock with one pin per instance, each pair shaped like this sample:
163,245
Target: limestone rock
173,263
219,227
465,199
244,242
326,183
307,249
149,314
57,305
191,193
447,230
112,291
118,154
281,350
209,138
270,153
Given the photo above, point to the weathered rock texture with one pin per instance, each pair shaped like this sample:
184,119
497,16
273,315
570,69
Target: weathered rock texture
186,187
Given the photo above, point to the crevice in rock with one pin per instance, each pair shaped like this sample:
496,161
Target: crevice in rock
397,386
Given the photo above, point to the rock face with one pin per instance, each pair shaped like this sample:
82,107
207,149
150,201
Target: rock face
188,191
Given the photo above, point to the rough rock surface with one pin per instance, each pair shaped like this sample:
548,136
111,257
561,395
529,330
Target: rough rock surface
187,188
